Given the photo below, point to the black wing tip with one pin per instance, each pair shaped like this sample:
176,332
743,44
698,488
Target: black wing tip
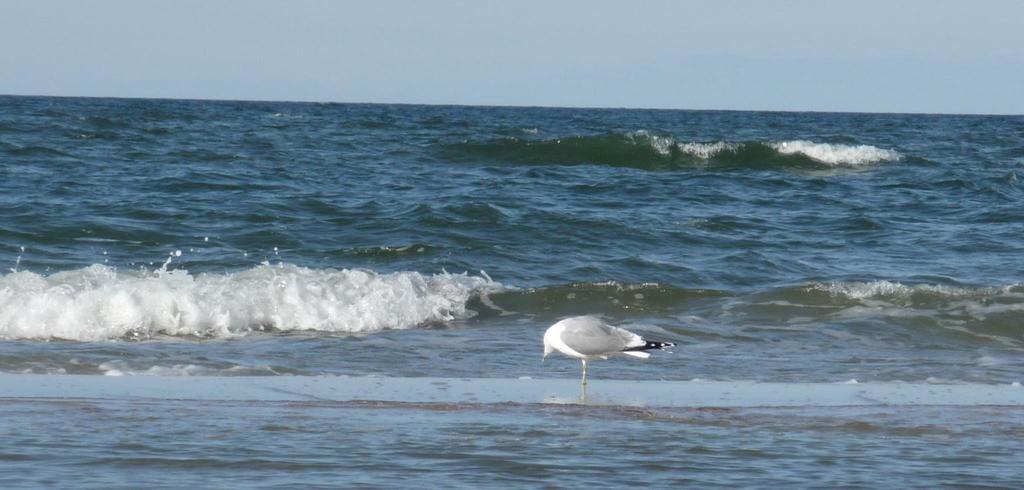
660,345
651,345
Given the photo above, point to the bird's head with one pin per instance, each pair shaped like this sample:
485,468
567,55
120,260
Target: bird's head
547,347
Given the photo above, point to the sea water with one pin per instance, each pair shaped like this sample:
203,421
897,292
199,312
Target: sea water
164,238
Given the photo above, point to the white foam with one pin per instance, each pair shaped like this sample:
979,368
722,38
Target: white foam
123,368
707,150
100,302
832,154
666,145
991,361
835,154
660,144
887,289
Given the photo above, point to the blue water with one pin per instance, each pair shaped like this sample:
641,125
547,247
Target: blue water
163,237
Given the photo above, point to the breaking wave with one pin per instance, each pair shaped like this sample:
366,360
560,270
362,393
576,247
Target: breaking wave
102,303
642,149
99,302
836,154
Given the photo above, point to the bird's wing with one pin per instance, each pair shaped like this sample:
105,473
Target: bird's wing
592,337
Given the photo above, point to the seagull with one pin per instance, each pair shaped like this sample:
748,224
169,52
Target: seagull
587,338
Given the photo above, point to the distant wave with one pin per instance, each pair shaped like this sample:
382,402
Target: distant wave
992,313
601,297
968,303
99,302
898,292
642,149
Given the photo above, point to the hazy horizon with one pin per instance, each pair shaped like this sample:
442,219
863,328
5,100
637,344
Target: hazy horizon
441,104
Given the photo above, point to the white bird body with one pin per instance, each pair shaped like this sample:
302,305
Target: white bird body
588,338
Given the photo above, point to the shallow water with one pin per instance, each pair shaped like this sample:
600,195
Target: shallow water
116,444
329,431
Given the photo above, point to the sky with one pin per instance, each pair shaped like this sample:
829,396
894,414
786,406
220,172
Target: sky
934,56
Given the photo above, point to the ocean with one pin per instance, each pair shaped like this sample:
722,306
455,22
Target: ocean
169,239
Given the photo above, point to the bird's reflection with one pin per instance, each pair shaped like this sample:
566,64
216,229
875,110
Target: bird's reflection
567,400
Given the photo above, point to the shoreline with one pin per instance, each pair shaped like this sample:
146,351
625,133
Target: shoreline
426,390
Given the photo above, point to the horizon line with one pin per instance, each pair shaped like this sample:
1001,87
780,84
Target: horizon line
511,106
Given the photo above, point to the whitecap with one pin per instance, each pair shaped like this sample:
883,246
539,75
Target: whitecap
888,289
708,150
662,145
100,302
836,154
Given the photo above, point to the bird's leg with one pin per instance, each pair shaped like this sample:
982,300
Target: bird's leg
584,371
